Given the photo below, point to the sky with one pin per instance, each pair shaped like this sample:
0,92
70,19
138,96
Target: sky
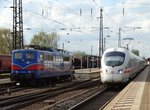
77,22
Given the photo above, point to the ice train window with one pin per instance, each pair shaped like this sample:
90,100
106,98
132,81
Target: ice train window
114,58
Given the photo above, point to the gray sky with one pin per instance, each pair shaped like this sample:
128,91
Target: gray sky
80,20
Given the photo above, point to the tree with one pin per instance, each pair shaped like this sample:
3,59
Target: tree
5,41
47,40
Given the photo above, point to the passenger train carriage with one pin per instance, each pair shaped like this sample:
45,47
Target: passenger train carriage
119,65
40,64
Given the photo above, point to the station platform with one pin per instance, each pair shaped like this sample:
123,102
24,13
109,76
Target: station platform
6,80
87,73
135,96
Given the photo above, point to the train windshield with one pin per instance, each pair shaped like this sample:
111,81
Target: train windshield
18,55
29,55
24,55
114,58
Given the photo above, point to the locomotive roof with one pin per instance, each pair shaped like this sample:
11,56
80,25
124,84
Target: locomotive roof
53,51
44,49
117,49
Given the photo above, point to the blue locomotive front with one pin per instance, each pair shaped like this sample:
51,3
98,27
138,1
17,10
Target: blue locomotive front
36,65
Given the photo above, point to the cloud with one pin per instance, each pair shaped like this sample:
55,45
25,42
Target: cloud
146,25
65,18
6,18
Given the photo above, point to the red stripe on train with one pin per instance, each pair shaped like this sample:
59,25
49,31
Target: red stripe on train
15,67
35,67
129,70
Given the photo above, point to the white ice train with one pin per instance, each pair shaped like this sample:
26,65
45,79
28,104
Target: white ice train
119,65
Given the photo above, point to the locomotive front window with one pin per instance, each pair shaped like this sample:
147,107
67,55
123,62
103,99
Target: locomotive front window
29,55
114,58
18,55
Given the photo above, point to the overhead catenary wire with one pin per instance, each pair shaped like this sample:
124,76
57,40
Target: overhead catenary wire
56,21
53,20
68,10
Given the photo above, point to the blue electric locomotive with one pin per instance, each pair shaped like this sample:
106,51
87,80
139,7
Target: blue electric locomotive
40,64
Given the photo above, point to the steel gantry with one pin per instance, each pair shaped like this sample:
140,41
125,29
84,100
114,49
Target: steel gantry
18,42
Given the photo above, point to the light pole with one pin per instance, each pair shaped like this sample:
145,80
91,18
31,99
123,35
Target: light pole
101,33
119,38
105,42
63,44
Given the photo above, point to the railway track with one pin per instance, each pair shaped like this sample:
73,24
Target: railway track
70,102
24,100
3,76
97,100
21,91
5,86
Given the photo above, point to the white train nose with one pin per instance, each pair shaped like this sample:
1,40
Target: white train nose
111,78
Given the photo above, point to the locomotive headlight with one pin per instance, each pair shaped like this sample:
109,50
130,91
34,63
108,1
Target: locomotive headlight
120,71
16,71
29,71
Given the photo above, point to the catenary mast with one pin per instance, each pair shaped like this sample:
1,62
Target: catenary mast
17,25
